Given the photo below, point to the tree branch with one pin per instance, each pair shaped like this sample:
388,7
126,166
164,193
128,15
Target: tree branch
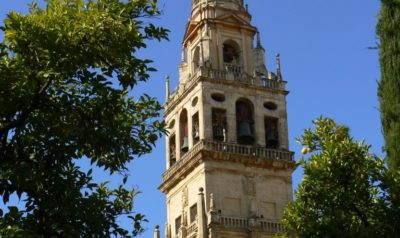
25,113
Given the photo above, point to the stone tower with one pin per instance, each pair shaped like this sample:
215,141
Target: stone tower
228,161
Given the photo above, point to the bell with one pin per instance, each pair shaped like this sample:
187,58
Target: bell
172,155
245,136
185,144
172,161
196,135
272,139
218,133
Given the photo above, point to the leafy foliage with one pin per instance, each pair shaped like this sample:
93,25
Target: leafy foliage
65,76
345,192
389,97
389,85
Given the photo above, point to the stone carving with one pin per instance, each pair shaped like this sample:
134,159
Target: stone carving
249,186
185,201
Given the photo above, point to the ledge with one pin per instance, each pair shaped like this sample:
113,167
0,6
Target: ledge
229,76
210,150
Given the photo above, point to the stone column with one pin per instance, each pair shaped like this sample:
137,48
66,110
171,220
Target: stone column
157,232
167,89
167,231
201,214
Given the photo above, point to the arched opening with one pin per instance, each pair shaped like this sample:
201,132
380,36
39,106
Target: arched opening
184,139
171,144
172,150
270,106
195,128
196,60
218,97
271,132
244,122
231,52
219,124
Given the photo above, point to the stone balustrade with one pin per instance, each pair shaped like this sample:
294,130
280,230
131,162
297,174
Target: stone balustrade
229,148
232,74
272,227
237,223
182,161
234,222
244,223
192,230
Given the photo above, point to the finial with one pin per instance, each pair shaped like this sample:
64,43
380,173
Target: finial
167,231
206,28
212,203
278,67
167,90
258,40
157,232
201,215
183,55
247,7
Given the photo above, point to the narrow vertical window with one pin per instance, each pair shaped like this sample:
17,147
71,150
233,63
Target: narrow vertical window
193,213
231,52
244,122
219,124
271,133
172,150
184,132
195,128
178,224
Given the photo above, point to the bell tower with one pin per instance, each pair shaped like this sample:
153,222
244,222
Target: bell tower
228,163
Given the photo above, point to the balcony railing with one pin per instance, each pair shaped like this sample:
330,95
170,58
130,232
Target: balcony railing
272,227
182,161
232,74
245,223
248,150
234,222
233,68
192,229
245,150
268,226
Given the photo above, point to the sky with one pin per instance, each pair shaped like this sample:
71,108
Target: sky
326,60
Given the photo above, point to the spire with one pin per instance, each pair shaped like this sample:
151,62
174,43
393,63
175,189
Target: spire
213,213
167,89
206,29
212,203
167,231
183,57
258,45
278,67
232,4
157,232
202,218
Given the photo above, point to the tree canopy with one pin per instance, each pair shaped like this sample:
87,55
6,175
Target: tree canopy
346,190
65,76
389,85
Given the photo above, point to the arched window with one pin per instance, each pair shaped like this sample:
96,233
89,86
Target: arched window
195,128
184,139
219,124
271,133
196,61
244,122
172,144
231,52
172,150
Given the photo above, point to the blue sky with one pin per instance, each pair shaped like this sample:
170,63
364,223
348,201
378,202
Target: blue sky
325,59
